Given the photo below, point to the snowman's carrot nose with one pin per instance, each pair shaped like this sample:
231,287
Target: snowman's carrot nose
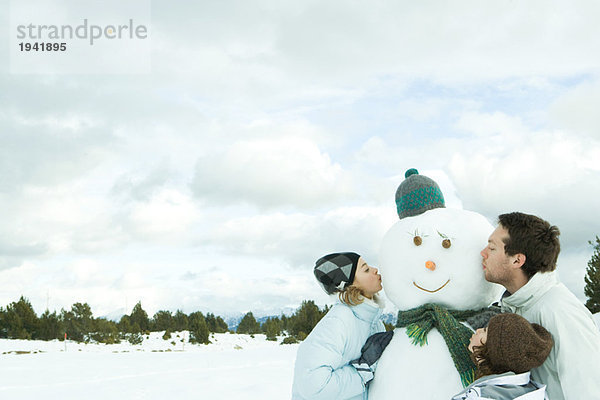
430,265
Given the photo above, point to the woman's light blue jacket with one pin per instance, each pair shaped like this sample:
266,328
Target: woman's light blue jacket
322,369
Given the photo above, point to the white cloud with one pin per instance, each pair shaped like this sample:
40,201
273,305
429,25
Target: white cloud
577,110
516,168
42,151
271,42
277,172
167,213
495,126
300,239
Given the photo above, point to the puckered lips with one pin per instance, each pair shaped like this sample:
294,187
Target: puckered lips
431,291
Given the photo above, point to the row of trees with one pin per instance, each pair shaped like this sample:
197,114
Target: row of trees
297,326
19,321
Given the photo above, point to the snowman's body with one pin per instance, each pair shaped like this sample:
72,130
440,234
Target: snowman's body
430,258
406,371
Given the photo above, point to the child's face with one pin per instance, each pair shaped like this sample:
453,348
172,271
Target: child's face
478,338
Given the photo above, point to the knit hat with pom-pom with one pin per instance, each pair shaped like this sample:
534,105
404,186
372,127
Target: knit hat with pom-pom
417,194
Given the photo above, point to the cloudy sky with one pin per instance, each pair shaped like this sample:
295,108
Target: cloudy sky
267,133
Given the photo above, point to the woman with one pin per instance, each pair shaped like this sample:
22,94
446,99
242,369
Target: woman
329,363
504,352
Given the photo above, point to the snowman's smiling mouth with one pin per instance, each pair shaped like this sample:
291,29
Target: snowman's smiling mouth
431,291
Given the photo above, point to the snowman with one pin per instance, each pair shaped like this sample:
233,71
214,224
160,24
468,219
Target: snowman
432,271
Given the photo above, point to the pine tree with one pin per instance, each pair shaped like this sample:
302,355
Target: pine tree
272,328
51,326
284,323
124,324
162,321
135,338
248,324
3,324
198,328
181,321
305,319
211,322
592,279
21,320
216,324
25,321
78,321
105,331
221,325
140,317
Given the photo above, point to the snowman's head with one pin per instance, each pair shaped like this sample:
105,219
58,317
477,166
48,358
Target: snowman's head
434,257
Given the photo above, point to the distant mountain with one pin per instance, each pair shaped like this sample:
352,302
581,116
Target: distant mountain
115,315
234,321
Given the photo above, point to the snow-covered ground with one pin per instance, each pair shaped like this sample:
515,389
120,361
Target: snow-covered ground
232,367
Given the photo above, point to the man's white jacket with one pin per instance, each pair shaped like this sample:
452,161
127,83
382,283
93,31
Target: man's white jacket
571,371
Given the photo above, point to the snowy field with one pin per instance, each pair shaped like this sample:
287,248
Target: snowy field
232,367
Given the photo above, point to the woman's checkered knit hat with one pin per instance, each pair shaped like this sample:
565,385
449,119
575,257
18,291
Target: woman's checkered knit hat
417,194
336,271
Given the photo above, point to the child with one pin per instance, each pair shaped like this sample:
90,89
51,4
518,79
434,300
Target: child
504,352
332,362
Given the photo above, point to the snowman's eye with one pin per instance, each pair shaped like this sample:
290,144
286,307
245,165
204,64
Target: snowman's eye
417,240
446,243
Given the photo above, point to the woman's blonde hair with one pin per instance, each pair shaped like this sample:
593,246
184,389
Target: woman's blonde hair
351,295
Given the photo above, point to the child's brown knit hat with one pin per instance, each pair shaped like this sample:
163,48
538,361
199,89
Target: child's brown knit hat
515,344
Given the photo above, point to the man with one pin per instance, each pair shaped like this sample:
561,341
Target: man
521,255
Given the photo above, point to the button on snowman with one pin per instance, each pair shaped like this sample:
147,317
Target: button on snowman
432,272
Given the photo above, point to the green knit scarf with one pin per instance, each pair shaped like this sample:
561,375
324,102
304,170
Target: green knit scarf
420,320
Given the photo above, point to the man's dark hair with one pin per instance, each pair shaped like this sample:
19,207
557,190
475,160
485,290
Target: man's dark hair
533,237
